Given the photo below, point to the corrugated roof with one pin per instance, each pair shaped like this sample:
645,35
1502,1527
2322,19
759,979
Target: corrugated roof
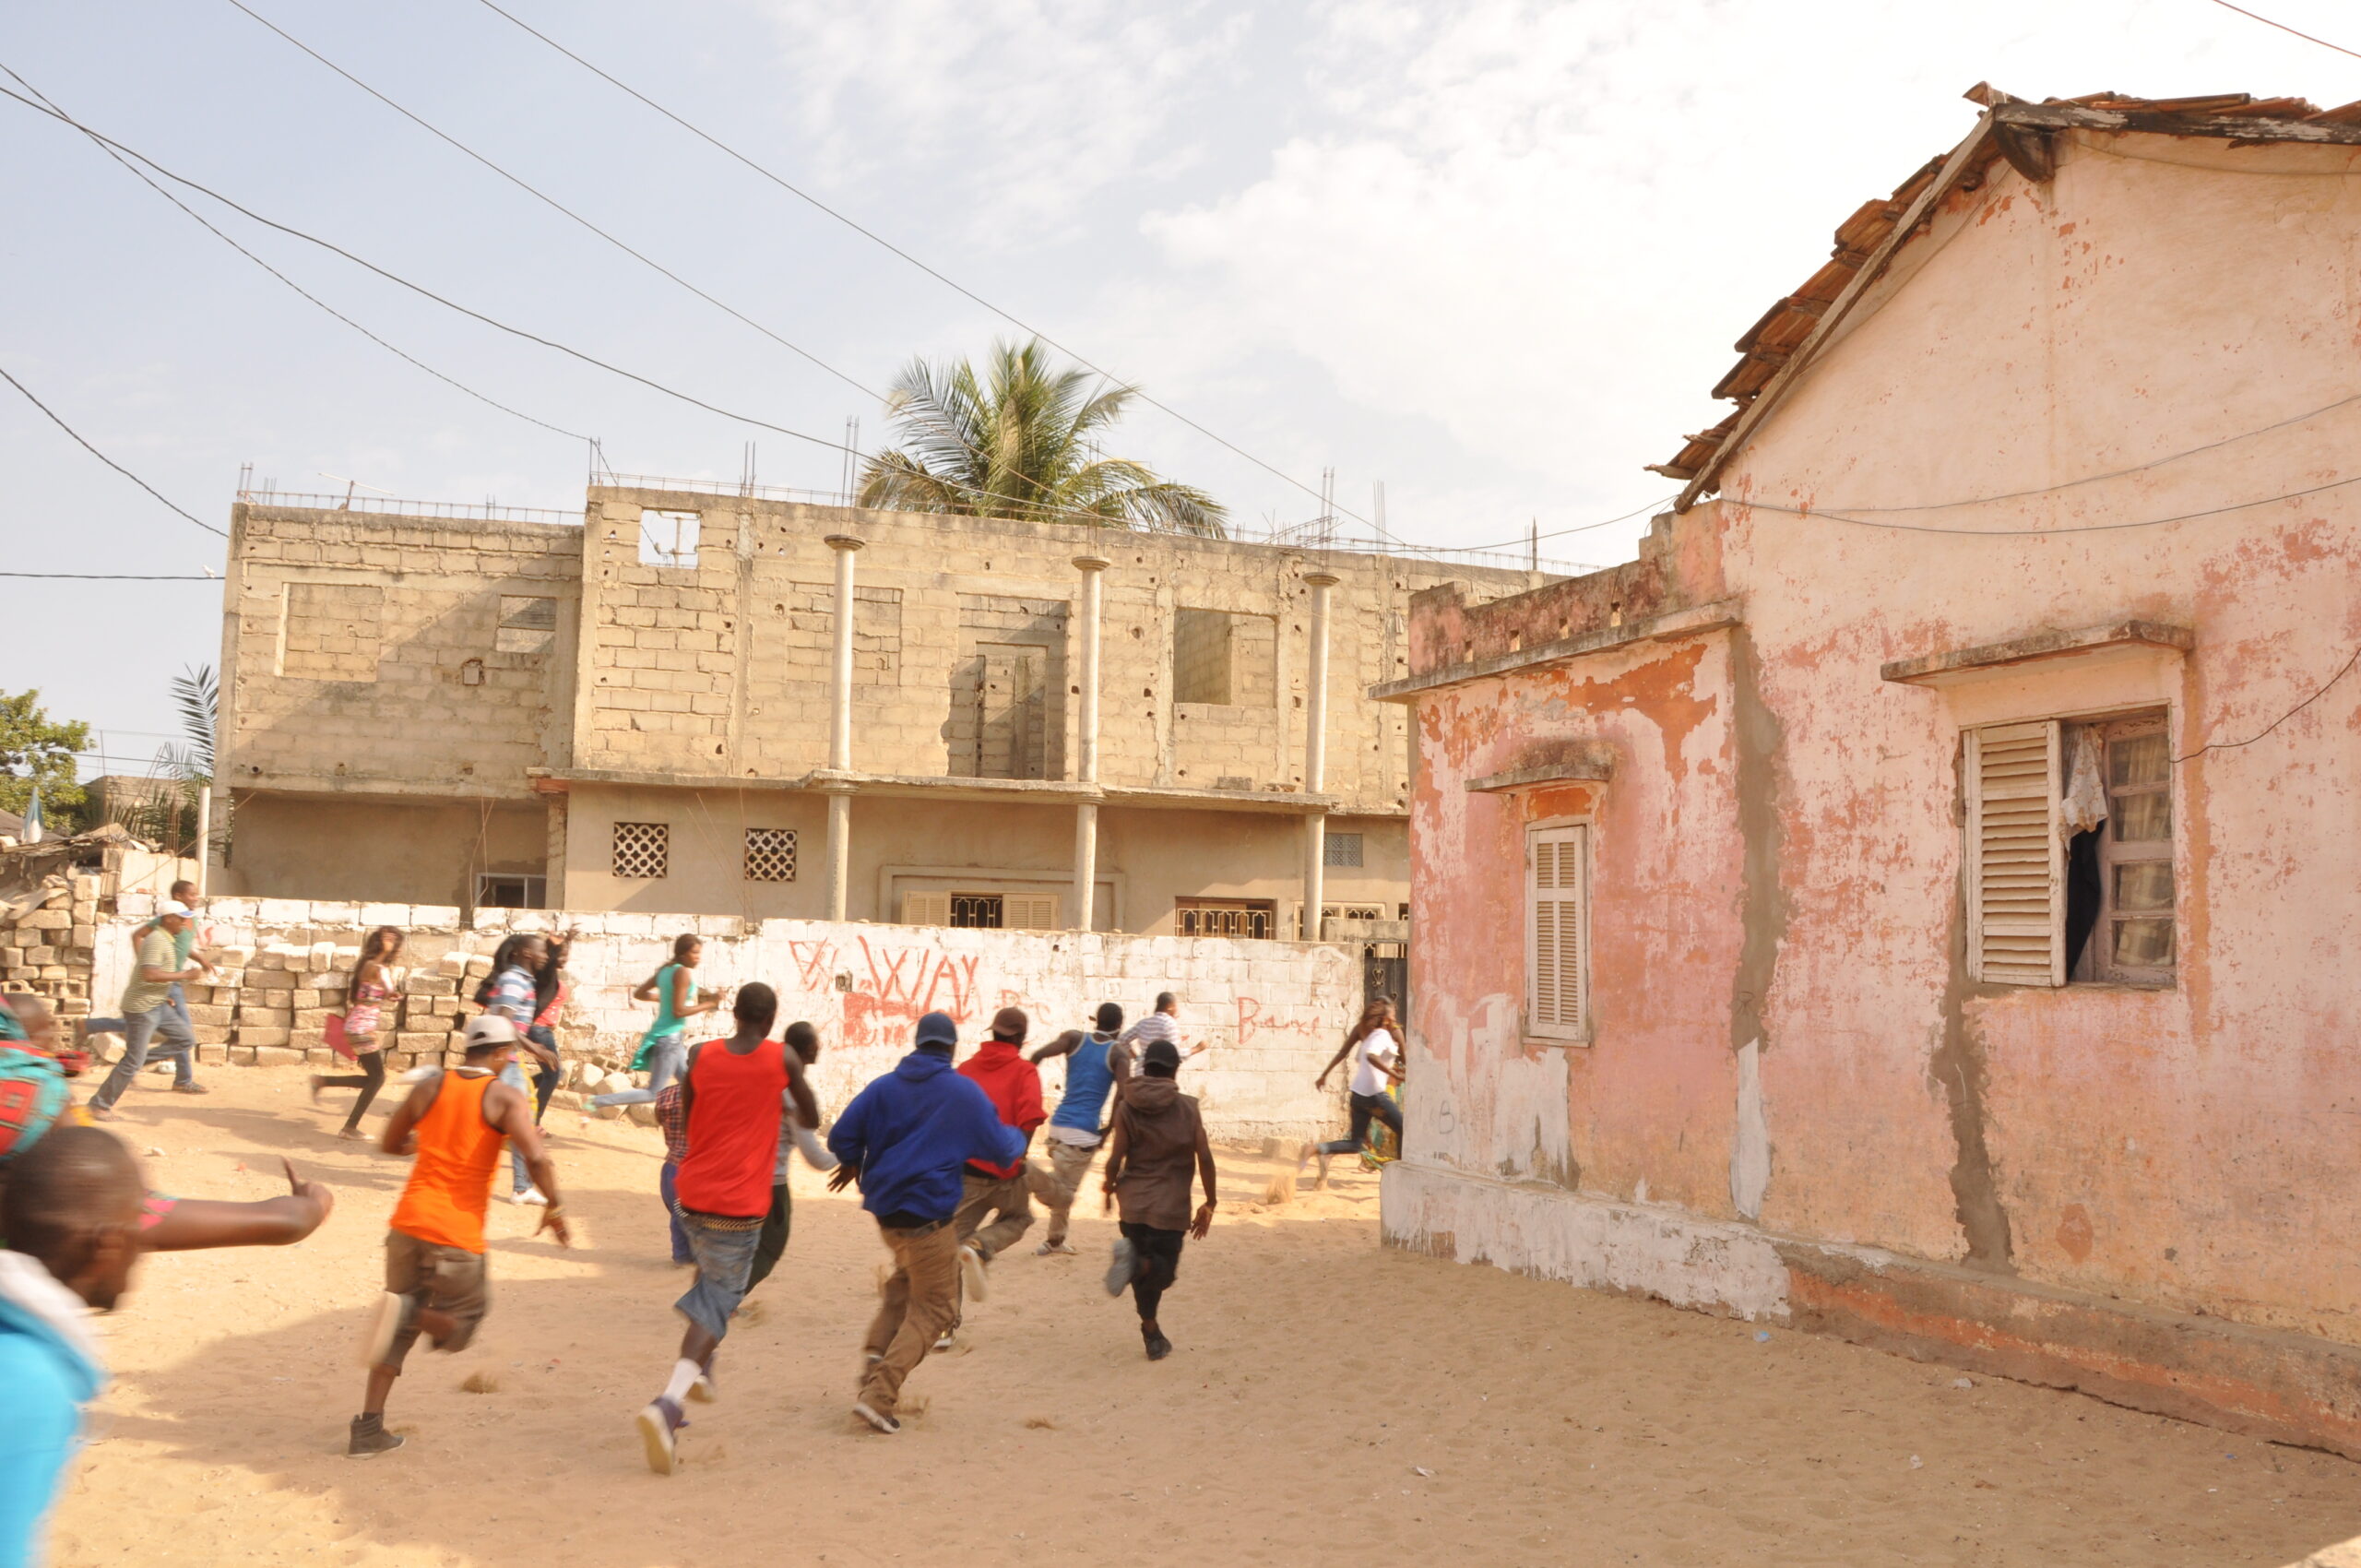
2011,129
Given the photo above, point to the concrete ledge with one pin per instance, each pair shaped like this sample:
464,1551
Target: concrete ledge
1670,626
2286,1387
1932,669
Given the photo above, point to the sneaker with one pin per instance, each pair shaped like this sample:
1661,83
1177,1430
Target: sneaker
1121,1269
971,1270
370,1438
353,1134
1158,1347
1061,1248
529,1195
99,1112
948,1340
660,1425
192,1087
386,1320
705,1391
882,1421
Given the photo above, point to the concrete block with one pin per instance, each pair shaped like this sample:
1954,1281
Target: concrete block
211,1033
283,912
415,1041
243,1055
211,1055
46,920
209,1013
373,915
311,1019
259,1034
277,1056
309,1041
137,905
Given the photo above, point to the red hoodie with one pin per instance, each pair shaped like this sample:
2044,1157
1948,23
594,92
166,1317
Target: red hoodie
1013,1086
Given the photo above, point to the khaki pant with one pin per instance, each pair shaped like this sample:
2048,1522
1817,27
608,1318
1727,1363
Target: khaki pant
921,1300
1001,1196
1056,1187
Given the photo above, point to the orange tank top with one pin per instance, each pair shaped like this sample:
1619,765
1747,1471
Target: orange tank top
450,1186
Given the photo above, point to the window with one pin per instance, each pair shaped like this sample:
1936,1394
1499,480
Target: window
1255,918
1342,849
980,911
2070,851
527,625
1224,659
1557,921
983,911
643,851
770,854
667,539
507,890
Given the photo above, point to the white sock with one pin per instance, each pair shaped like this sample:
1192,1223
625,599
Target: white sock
684,1372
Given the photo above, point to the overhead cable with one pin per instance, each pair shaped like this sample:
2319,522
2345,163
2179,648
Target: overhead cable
122,576
956,287
2045,533
2282,27
102,457
410,359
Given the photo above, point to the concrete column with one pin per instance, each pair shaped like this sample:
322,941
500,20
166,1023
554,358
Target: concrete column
1086,814
204,837
840,729
1315,753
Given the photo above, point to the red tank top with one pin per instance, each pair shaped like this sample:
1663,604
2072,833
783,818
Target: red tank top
450,1186
733,1129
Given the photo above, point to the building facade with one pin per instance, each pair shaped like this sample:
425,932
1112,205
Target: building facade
1906,902
742,705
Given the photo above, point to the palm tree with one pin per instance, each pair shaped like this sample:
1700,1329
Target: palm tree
1021,441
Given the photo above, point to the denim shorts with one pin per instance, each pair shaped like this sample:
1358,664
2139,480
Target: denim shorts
724,1250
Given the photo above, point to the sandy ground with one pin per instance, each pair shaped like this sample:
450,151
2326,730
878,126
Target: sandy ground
1330,1402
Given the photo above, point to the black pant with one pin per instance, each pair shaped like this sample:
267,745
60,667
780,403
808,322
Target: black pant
369,1080
544,1078
1365,1108
1156,1263
773,1244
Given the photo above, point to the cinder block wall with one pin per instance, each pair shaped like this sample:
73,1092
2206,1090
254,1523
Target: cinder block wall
1271,1012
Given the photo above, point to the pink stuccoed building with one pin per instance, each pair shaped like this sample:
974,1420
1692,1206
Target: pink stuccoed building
1919,899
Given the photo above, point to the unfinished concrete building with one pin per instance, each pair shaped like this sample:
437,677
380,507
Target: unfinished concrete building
738,704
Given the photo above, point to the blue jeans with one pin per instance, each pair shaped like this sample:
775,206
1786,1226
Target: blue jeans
665,1059
162,1022
724,1250
667,1183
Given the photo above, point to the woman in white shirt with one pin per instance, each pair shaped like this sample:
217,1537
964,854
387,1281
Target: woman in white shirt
1377,1062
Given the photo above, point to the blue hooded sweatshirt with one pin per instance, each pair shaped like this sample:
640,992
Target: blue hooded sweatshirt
912,1130
49,1369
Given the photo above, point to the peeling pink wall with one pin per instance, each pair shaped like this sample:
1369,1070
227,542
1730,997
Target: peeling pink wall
2191,1148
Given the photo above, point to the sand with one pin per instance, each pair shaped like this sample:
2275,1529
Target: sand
1330,1402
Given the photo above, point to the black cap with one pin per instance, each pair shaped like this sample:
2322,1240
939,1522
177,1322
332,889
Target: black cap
1161,1054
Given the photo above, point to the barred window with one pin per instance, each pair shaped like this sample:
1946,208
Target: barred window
642,849
1226,917
1341,849
770,854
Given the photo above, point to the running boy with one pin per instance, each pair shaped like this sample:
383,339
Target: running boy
997,1187
1076,1128
1160,1142
434,1265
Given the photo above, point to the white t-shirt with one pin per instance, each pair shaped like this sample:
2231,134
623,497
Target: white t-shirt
1376,1047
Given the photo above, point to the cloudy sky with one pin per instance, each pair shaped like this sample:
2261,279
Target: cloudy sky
1491,253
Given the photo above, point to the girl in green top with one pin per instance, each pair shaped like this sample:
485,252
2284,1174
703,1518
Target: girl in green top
674,988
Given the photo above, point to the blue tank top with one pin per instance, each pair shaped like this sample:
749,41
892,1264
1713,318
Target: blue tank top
1088,1079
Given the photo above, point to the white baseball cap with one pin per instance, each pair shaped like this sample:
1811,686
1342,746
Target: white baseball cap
171,907
491,1029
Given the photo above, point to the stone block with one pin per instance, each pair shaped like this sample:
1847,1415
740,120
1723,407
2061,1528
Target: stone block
83,936
243,1055
308,1040
431,985
371,916
209,1013
43,958
208,1055
71,1007
320,1056
415,1041
211,1033
311,1019
259,1034
283,912
277,1056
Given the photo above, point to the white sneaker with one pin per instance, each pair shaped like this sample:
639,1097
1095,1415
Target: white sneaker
971,1270
1120,1266
1058,1249
529,1195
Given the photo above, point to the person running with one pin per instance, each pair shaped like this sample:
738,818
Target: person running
1162,1023
370,987
1377,1063
905,1138
512,991
550,990
734,1092
147,1011
185,953
435,1281
71,1212
1077,1126
672,1121
1158,1143
795,1136
674,988
997,1187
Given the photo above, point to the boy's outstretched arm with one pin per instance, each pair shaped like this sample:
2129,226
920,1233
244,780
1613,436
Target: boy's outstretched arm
195,1223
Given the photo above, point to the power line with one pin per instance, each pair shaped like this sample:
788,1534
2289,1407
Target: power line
135,170
102,456
2344,670
122,576
1559,533
2282,27
2046,533
875,238
1096,518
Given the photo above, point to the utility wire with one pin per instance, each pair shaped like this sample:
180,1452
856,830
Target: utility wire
2342,670
2282,27
2045,533
871,235
122,577
102,457
142,175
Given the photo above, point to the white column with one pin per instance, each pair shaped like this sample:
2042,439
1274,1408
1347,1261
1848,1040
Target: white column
204,835
1315,755
1086,814
840,729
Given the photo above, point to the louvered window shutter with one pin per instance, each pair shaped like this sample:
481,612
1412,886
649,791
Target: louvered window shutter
1558,932
2016,861
926,909
1029,911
